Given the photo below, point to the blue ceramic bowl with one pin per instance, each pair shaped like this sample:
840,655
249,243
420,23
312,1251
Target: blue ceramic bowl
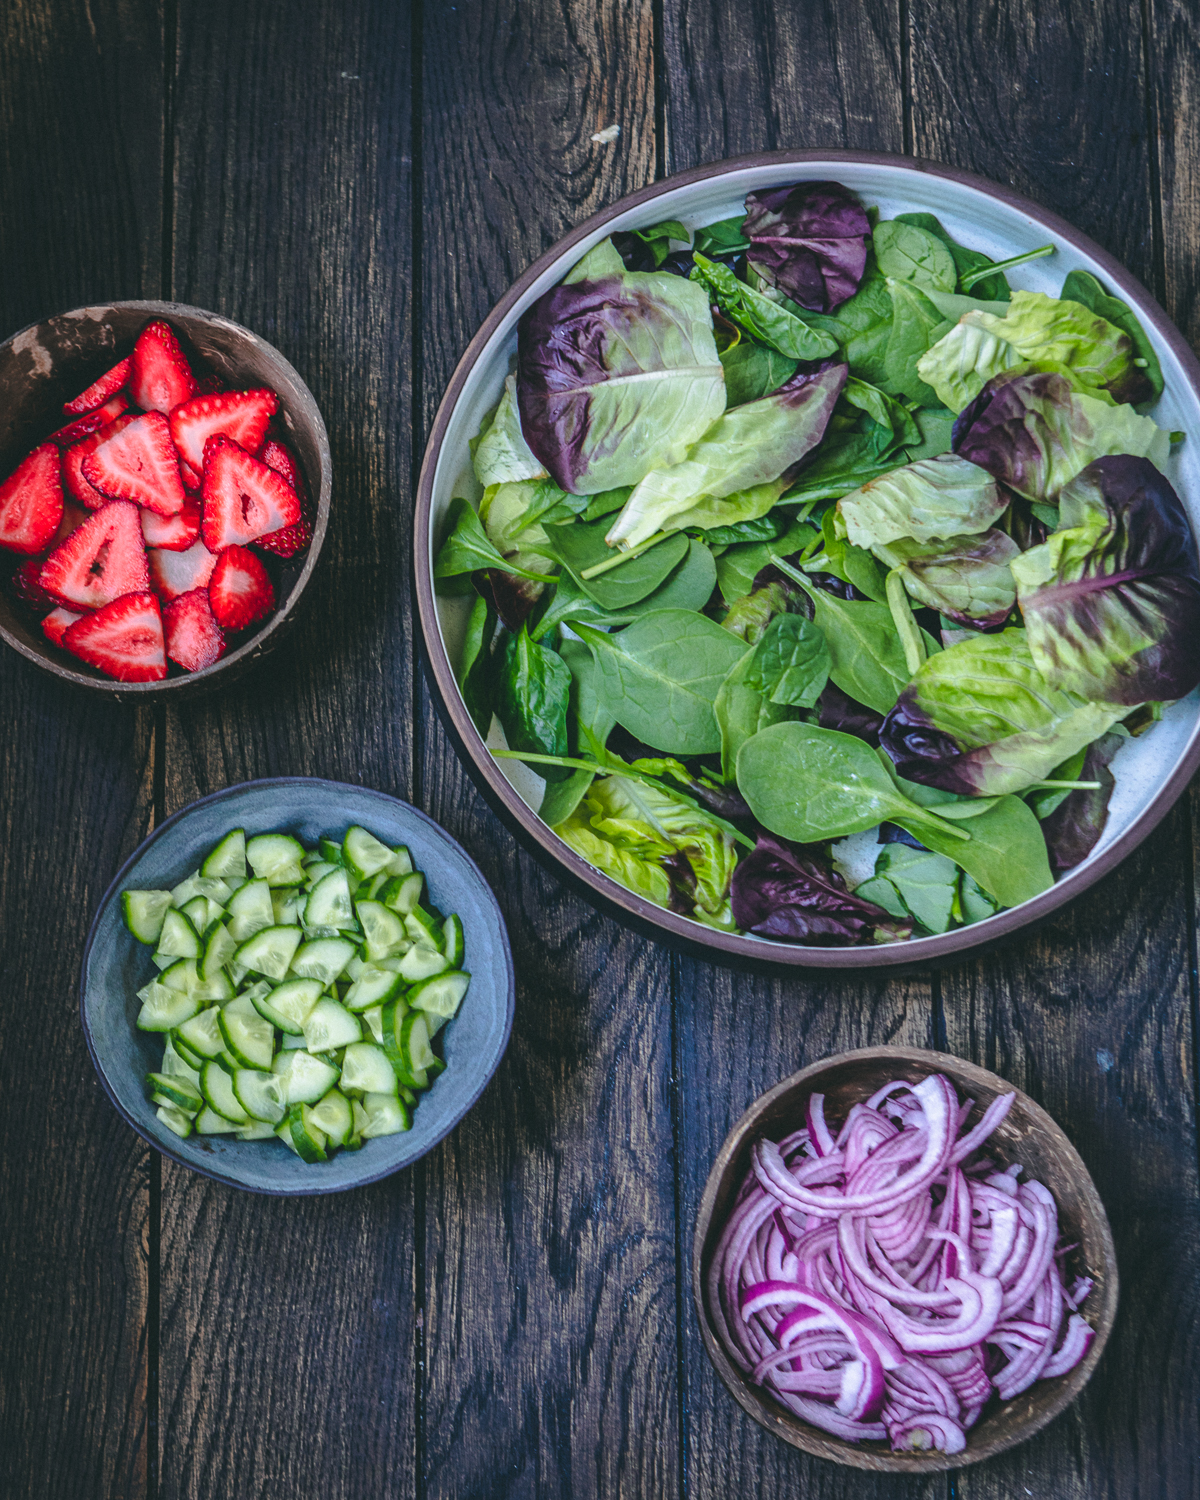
116,966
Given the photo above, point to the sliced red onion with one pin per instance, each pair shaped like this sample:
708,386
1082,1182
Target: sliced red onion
884,1282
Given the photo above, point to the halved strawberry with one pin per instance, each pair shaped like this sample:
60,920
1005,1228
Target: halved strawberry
29,591
176,533
82,427
138,463
240,415
31,502
160,376
73,457
239,589
56,624
101,561
209,385
242,498
194,639
291,539
100,390
175,573
124,639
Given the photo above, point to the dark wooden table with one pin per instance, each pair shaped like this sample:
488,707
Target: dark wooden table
360,181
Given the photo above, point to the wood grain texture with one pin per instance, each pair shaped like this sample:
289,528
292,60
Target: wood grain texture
550,1321
74,801
288,1328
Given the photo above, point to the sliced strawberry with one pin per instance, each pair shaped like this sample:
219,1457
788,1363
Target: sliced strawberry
242,498
175,573
240,415
29,591
31,502
279,456
291,539
100,390
160,376
176,533
239,589
73,457
194,639
101,561
124,639
138,463
73,518
55,625
82,427
209,385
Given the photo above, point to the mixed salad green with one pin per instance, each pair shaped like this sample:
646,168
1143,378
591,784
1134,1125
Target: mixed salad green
808,525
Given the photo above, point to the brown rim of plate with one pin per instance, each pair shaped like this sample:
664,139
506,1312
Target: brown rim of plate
222,672
790,1428
682,932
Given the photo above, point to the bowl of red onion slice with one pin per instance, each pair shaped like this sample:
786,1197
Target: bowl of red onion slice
901,1262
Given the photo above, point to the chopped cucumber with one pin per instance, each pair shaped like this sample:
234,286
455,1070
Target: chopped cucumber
323,959
329,1026
453,944
386,1114
201,1036
333,1116
363,854
287,1006
329,903
209,1122
373,987
178,938
373,1020
260,1094
144,912
305,1138
257,1130
422,928
217,1087
367,1069
166,1089
400,862
382,928
441,995
421,963
201,885
219,948
305,1077
414,1042
229,856
275,858
270,951
286,904
402,893
250,910
175,1065
175,1119
250,1040
163,1008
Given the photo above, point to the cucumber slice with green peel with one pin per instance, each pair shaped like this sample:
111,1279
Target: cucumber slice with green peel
250,910
196,911
305,1077
296,998
330,849
270,951
453,941
354,968
414,1042
423,928
257,1130
322,959
243,1005
383,930
286,903
176,1065
178,938
144,912
164,1089
250,1040
400,862
188,1058
373,987
164,1009
275,858
387,1114
209,1122
219,988
180,974
363,854
329,903
369,889
219,947
237,972
235,882
201,885
367,1069
201,1036
440,996
329,1026
317,871
333,1116
217,1087
421,963
175,1120
228,857
372,1019
390,1020
260,1094
305,1139
403,893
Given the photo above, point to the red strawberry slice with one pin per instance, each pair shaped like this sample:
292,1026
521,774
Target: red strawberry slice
175,573
160,376
101,561
31,502
73,518
28,590
139,463
124,639
87,494
242,498
83,427
240,415
55,625
176,533
194,639
100,390
239,589
291,539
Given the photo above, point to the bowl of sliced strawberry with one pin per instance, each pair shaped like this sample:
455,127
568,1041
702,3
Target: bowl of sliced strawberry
164,491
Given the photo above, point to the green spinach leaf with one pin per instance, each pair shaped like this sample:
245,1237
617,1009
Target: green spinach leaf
563,797
906,252
791,663
533,688
725,237
966,262
659,236
741,711
606,502
475,673
467,548
580,545
739,566
916,324
926,883
688,586
861,325
753,370
759,315
1082,286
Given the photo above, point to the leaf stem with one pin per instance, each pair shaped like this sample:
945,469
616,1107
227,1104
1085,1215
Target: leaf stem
1070,786
904,621
998,267
615,562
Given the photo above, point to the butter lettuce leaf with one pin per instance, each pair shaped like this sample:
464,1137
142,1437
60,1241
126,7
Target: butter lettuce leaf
946,496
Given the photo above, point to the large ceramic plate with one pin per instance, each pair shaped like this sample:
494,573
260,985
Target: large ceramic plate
1150,772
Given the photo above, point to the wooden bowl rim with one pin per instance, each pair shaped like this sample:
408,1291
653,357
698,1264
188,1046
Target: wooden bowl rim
776,1418
600,890
254,647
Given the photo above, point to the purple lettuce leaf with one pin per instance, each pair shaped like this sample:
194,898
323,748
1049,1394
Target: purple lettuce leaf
809,240
791,892
837,710
1074,827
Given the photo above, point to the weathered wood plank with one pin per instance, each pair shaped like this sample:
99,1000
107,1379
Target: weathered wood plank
79,221
550,1322
1091,1015
292,215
